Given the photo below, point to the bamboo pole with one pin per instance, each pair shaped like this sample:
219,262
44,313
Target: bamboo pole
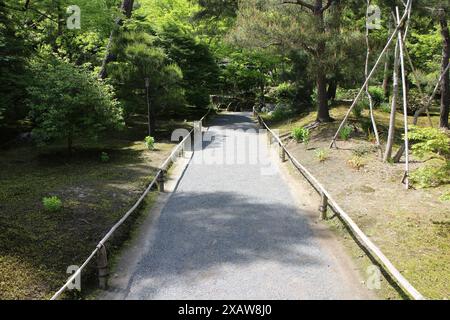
366,73
383,52
405,102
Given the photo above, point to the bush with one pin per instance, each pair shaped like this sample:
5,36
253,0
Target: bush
377,95
432,175
104,157
359,108
445,197
322,155
150,142
280,113
68,101
357,162
301,135
284,92
429,141
52,204
345,132
385,107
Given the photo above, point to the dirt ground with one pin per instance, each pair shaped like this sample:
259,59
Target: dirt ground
412,227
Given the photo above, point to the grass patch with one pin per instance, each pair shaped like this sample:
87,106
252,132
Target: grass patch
37,245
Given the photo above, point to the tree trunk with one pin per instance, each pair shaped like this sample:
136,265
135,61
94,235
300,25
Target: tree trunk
127,9
323,114
445,85
391,133
70,143
332,88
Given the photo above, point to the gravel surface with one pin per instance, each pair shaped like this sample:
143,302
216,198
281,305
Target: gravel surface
232,231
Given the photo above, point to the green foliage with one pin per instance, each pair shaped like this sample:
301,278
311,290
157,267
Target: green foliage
139,57
150,143
322,155
12,68
431,175
284,93
385,107
104,157
52,204
445,197
359,108
428,141
345,132
377,95
280,113
357,162
67,101
301,135
191,56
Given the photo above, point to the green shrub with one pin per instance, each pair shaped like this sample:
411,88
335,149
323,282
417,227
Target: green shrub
432,175
280,113
322,155
359,108
429,141
52,204
445,197
377,95
345,132
150,142
385,107
284,92
104,157
301,135
357,162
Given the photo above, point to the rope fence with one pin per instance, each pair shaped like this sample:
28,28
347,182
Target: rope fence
100,250
328,201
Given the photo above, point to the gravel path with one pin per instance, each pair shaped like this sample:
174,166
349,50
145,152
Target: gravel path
232,231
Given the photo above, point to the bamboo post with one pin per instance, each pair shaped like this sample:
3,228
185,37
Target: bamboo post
102,267
393,36
323,206
282,153
405,104
160,181
366,73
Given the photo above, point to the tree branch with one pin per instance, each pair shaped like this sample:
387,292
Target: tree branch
301,3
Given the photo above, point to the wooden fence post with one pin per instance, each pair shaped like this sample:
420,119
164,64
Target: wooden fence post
102,267
323,206
160,181
282,153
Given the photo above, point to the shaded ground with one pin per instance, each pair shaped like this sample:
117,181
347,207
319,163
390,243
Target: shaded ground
37,246
233,231
411,227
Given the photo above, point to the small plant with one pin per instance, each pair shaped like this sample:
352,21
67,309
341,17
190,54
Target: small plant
445,197
357,162
429,141
359,108
150,142
345,132
104,157
301,135
52,204
377,95
385,107
432,175
322,155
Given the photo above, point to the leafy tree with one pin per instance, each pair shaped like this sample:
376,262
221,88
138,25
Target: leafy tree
293,25
12,67
137,58
200,70
67,101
